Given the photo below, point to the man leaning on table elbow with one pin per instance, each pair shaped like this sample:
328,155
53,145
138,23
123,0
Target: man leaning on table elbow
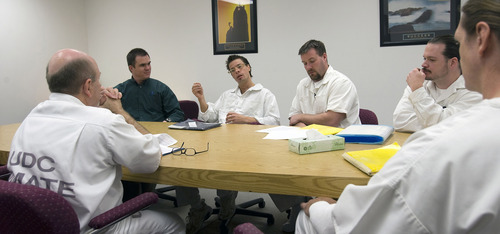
460,154
248,103
86,137
436,91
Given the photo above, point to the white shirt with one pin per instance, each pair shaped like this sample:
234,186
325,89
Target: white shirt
443,180
335,92
429,105
77,151
257,102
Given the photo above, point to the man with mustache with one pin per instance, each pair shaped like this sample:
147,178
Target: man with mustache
326,97
436,91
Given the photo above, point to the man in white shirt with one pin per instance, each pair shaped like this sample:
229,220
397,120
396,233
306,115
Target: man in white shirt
326,97
436,91
249,103
445,177
76,143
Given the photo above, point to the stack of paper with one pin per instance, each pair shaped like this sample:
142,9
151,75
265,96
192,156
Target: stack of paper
165,141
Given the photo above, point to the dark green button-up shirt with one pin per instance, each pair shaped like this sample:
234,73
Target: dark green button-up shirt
150,101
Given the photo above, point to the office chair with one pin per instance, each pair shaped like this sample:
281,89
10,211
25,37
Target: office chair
246,228
30,209
191,110
367,116
242,209
4,172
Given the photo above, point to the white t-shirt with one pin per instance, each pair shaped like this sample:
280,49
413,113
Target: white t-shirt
335,92
77,151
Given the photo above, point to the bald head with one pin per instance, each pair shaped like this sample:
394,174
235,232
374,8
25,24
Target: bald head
63,57
68,69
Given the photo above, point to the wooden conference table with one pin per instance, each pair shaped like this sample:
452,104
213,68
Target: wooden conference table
239,159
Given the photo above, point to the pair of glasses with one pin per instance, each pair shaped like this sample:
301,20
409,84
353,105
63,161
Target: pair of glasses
187,151
239,67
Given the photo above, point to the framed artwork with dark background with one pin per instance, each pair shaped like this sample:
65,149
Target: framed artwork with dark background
234,24
414,22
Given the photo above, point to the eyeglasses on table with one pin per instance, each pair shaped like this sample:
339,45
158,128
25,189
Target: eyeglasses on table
187,151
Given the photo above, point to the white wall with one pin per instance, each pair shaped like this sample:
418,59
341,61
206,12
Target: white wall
30,32
178,36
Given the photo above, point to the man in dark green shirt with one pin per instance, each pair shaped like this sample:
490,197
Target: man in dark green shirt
145,98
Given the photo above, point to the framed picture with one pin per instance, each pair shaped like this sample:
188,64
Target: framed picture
234,24
413,22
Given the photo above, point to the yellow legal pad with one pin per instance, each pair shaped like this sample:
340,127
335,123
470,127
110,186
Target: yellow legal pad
371,161
323,129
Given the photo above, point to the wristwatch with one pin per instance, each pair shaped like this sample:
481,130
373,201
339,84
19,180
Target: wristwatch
168,120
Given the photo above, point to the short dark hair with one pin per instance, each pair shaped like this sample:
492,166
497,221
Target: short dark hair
451,45
234,57
134,53
476,11
69,78
313,44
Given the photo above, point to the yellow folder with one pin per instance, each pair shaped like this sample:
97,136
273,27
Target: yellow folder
371,161
323,129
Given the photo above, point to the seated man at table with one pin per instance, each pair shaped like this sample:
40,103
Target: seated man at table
146,99
326,97
436,91
445,177
249,103
76,143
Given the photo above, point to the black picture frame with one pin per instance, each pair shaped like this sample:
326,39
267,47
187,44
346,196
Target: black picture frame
415,22
230,37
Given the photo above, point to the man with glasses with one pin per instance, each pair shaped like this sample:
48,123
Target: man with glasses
249,103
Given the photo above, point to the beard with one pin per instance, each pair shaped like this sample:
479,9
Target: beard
314,76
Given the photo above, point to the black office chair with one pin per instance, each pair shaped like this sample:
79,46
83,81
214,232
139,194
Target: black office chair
367,116
191,110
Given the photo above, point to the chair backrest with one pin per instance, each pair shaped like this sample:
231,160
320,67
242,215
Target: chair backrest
190,108
367,116
4,172
30,209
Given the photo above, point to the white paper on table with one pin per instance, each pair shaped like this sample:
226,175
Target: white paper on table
165,141
284,133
